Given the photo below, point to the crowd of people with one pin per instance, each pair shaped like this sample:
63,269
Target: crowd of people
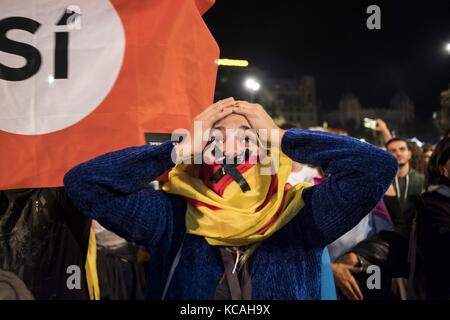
406,234
334,214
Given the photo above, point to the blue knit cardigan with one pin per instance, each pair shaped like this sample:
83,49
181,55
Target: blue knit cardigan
113,189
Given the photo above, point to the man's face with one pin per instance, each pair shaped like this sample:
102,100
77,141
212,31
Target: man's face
400,151
232,135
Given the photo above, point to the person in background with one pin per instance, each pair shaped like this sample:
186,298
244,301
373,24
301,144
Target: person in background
427,151
375,221
374,241
347,264
383,130
433,224
300,172
408,183
417,161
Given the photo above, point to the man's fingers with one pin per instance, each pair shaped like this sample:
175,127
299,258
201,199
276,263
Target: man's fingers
349,286
216,105
244,104
356,289
219,106
219,115
215,109
347,290
242,108
354,269
226,102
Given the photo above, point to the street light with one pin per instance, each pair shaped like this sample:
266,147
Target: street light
447,48
252,86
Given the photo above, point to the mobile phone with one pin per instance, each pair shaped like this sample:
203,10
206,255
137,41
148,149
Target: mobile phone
369,123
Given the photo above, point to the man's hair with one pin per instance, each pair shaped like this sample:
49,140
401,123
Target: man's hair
417,162
440,156
396,139
427,147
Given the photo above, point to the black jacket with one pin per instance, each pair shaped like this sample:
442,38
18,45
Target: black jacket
433,232
41,234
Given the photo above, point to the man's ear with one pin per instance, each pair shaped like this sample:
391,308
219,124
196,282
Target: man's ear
409,154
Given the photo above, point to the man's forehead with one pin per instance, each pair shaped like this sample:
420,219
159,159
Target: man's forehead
397,145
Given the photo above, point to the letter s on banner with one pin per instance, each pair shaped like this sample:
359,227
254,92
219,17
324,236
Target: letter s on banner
70,94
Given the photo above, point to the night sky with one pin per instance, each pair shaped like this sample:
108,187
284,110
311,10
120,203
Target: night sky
330,41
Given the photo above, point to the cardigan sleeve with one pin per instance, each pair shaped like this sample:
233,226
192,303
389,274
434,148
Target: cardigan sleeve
358,176
113,189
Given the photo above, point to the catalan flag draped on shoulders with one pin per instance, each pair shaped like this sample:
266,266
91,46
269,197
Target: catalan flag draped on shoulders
225,214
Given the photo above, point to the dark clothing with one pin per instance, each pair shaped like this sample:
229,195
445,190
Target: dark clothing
412,184
118,273
433,233
395,212
387,250
41,235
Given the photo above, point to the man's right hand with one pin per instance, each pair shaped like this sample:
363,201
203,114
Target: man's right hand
381,125
343,276
205,120
383,129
